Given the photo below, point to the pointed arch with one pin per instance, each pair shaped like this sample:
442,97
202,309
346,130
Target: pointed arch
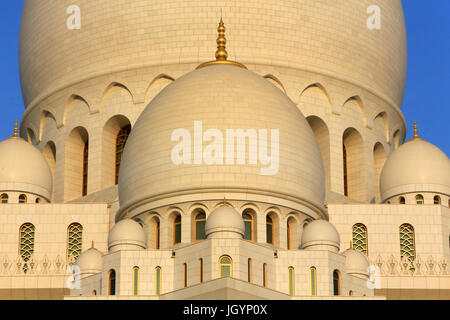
46,116
356,107
381,122
76,164
275,81
31,137
156,86
397,139
49,153
76,107
354,165
293,241
315,96
322,135
112,148
116,90
379,158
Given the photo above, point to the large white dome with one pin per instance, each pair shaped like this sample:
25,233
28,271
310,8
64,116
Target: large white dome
221,98
23,168
417,166
329,37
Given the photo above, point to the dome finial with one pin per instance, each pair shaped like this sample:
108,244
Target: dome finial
221,53
416,133
92,245
16,130
351,244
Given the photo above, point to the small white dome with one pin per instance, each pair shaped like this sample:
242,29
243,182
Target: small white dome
90,261
127,234
417,166
225,222
320,235
23,168
356,263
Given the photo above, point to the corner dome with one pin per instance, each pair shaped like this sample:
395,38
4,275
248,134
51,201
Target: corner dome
417,166
356,263
90,261
320,235
23,168
224,222
216,100
127,234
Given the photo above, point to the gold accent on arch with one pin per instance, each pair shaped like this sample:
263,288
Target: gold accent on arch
221,53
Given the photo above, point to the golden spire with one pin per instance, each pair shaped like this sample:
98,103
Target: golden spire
127,216
16,132
92,246
221,53
351,244
416,133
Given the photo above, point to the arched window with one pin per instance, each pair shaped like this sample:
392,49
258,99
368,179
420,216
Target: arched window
291,281
121,140
22,198
158,277
336,283
313,276
437,200
135,281
74,240
177,229
344,151
350,293
288,236
269,230
112,282
249,269
249,225
199,226
185,275
407,245
94,293
401,200
4,198
225,267
85,167
419,199
264,275
158,234
26,243
38,200
359,238
200,263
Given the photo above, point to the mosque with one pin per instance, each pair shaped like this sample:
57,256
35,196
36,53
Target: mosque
145,168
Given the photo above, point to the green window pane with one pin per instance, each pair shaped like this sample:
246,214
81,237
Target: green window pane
200,230
291,281
269,234
177,233
135,281
313,281
158,282
225,271
248,230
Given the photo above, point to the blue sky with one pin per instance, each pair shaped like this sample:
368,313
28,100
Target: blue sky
427,86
